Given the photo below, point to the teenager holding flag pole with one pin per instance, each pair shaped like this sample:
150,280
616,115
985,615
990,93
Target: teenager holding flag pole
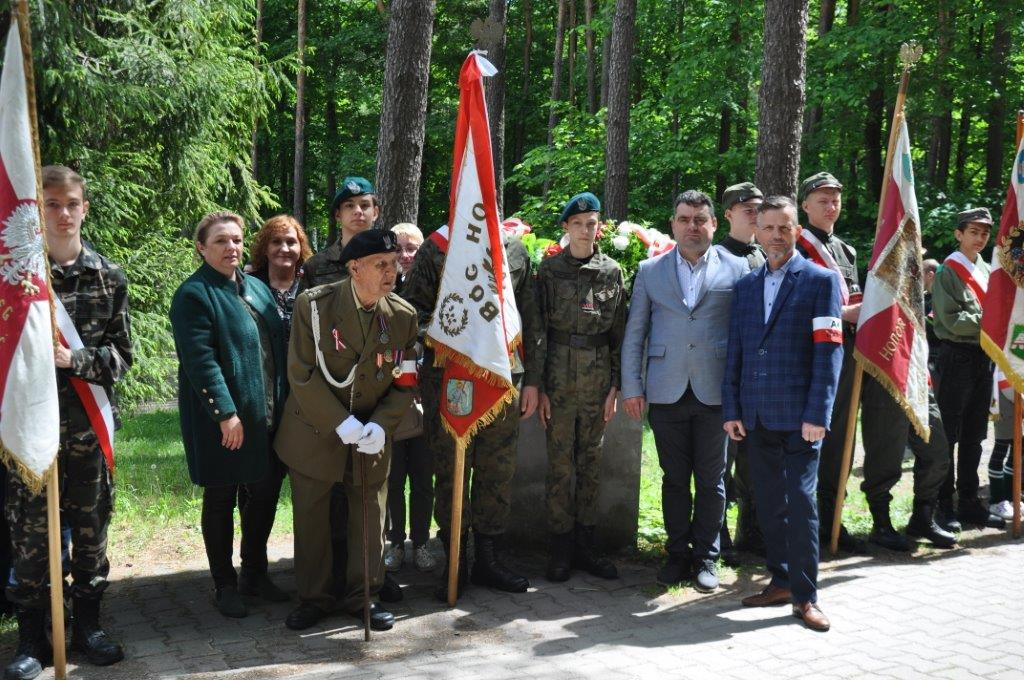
1002,320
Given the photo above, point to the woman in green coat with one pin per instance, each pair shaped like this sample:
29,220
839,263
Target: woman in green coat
232,383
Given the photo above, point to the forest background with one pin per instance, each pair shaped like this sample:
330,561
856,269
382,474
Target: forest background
173,108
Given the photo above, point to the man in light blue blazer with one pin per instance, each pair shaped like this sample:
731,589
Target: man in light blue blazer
679,314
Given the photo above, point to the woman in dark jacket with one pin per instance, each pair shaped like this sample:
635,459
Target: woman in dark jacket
232,383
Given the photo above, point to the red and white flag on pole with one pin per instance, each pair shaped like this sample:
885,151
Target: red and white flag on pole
29,413
891,344
475,330
1002,319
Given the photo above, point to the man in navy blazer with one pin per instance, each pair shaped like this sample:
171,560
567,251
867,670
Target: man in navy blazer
679,313
782,369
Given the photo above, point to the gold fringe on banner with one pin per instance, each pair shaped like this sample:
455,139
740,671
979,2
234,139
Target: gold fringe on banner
996,354
34,483
883,378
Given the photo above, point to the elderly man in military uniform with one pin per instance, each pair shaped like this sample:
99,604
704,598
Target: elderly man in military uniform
492,453
351,366
94,292
355,209
740,202
582,302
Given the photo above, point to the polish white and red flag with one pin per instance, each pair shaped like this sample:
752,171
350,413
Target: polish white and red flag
1002,319
29,412
891,344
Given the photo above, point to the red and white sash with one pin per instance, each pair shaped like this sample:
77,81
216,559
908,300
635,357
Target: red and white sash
819,255
94,398
969,274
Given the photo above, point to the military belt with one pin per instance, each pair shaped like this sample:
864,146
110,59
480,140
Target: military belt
579,340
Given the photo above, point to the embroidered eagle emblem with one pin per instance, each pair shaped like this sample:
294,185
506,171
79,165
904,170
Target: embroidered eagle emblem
21,235
353,187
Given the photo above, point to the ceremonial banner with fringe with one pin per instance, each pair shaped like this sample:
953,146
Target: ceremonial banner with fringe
29,412
1002,319
475,329
891,344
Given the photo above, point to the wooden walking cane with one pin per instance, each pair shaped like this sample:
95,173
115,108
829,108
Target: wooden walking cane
455,535
366,546
60,669
909,54
1017,409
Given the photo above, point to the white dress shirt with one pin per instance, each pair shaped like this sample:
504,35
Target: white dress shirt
691,276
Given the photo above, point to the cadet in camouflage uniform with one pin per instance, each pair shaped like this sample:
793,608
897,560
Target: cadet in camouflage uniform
740,203
355,209
94,292
492,452
582,304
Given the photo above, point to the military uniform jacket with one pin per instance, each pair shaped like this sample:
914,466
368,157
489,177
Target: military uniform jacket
421,285
581,299
751,252
846,259
306,440
324,267
956,308
94,291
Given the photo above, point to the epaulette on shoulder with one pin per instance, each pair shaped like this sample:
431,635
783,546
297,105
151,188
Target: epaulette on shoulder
401,303
317,292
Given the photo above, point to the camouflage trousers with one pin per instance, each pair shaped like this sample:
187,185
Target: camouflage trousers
574,437
86,500
489,467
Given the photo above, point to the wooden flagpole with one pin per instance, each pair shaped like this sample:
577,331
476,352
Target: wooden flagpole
1017,407
909,54
455,530
60,669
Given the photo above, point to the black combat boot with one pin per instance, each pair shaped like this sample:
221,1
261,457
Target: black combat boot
560,557
748,532
488,569
34,652
883,533
442,591
922,525
946,518
973,511
726,548
585,555
87,636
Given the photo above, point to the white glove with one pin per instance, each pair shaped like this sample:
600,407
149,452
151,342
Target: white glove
372,441
350,430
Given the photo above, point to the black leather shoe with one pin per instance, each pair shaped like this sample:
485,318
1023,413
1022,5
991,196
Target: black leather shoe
33,652
972,511
229,603
883,534
380,618
946,518
260,585
677,568
560,557
488,569
87,636
306,615
922,525
586,557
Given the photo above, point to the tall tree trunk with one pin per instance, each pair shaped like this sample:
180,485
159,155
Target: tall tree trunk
852,12
588,10
781,99
254,155
616,180
942,120
676,143
331,117
826,19
403,115
961,146
726,117
494,93
556,86
512,198
573,40
995,177
874,126
299,198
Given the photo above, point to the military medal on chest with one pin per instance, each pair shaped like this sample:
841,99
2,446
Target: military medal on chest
385,335
396,372
380,367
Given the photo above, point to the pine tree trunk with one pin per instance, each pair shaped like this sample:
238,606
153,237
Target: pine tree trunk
556,86
494,93
961,147
403,115
726,117
616,181
331,118
254,156
591,65
942,120
826,18
573,40
299,197
606,50
995,176
781,99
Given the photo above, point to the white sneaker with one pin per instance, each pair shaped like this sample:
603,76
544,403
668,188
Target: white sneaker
1002,509
423,559
394,556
